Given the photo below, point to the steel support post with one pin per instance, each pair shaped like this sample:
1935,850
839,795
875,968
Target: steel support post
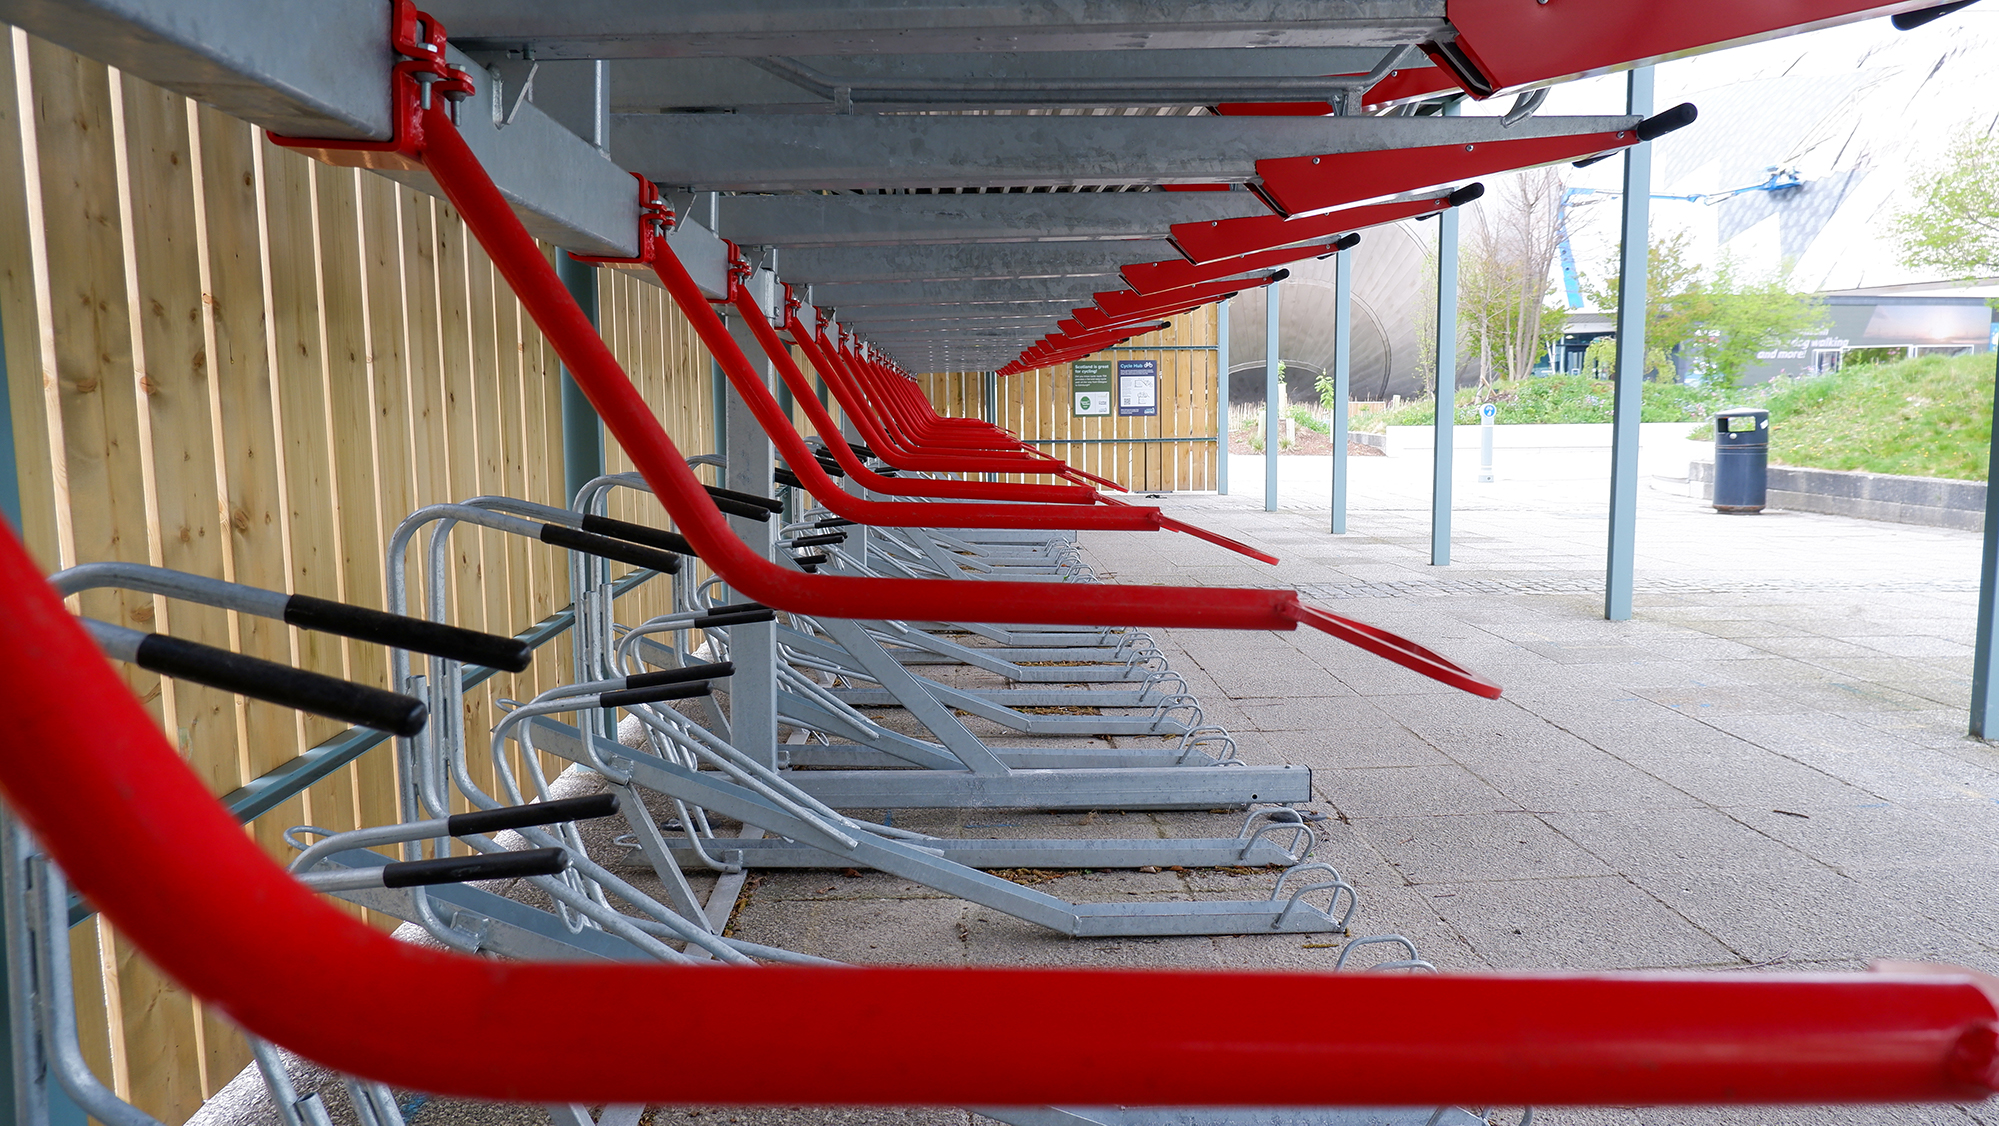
1984,703
753,689
1446,345
1342,354
989,383
718,397
1272,376
582,430
1222,398
1627,409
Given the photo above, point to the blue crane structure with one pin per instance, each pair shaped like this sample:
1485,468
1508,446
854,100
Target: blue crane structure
1780,179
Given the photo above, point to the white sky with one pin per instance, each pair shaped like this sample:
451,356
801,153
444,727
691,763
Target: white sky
1853,109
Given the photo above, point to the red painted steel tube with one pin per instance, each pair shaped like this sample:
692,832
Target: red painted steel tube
142,839
842,379
1042,462
822,422
513,251
894,514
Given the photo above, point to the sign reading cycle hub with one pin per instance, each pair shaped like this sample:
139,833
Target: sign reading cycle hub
1136,393
1137,387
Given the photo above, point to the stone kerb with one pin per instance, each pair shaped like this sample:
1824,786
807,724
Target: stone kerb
1937,502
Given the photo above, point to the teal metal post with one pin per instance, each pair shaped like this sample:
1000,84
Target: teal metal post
1342,355
1627,408
1272,425
989,383
718,385
1222,398
1447,382
582,430
1984,703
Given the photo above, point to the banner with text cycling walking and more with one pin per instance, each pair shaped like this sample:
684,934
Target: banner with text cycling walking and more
1137,387
1090,380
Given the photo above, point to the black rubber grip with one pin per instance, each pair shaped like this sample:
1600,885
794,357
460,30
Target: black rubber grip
539,813
1909,21
862,451
1279,275
1465,195
1660,124
1347,242
652,695
815,541
806,561
507,654
786,478
738,508
713,671
834,522
1597,159
487,866
638,533
623,551
736,608
750,499
831,467
742,618
281,684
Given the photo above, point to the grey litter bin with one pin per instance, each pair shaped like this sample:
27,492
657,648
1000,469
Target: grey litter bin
1741,459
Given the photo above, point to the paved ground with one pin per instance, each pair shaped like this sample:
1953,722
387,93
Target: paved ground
1766,768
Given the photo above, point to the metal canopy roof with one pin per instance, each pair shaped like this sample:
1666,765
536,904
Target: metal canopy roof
925,162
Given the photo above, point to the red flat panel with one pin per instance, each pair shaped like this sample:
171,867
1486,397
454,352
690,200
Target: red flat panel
1178,273
1302,185
1513,44
1217,239
1123,303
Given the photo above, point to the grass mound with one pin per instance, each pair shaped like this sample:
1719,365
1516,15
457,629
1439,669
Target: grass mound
1560,398
1929,417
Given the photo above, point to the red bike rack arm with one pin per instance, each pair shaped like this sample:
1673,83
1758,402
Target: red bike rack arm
143,840
1160,278
822,422
1220,239
1300,185
1501,46
905,514
843,379
1034,460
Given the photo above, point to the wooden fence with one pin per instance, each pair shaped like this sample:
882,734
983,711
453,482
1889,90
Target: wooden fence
1173,451
227,359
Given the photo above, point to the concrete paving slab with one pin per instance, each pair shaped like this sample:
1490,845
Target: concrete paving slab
1479,847
1395,791
1602,921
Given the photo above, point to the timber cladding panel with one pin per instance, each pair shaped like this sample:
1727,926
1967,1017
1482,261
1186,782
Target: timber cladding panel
1173,451
227,359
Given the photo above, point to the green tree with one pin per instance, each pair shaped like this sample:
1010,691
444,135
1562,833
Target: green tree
1952,223
1719,320
1734,318
1670,281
